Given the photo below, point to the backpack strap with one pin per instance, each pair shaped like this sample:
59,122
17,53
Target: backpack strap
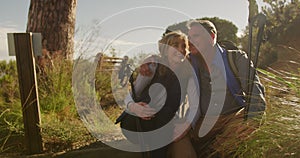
233,80
232,56
231,49
231,59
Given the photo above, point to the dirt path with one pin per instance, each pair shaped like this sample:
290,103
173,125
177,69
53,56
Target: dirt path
96,150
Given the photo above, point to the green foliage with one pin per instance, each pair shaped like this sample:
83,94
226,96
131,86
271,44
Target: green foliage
55,87
103,88
63,133
227,31
8,81
11,127
56,103
253,8
283,20
11,121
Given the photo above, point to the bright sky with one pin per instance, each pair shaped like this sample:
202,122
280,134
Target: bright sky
129,22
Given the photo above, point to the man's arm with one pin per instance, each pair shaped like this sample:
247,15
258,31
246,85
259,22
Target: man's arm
142,80
147,64
257,101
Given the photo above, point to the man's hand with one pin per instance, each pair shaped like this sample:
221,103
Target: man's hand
145,69
142,110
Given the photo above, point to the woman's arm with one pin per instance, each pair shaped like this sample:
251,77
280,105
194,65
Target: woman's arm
193,92
193,114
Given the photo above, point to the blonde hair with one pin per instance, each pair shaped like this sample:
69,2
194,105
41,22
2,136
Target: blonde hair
171,39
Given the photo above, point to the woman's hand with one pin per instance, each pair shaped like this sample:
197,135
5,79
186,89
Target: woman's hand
180,130
142,110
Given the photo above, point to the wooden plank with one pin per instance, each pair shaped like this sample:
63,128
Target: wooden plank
117,58
28,91
112,61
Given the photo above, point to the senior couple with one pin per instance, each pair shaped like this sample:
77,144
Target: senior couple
193,70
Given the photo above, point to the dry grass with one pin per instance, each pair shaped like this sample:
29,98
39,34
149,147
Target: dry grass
278,133
278,136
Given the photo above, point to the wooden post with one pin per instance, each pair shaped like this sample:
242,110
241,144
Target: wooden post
28,90
100,62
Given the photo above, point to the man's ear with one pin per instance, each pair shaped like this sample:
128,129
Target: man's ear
213,36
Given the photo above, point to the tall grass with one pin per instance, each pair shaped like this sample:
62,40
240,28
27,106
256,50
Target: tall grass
61,126
11,127
278,136
55,87
62,129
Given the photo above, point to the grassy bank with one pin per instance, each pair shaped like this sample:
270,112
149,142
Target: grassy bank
278,133
62,128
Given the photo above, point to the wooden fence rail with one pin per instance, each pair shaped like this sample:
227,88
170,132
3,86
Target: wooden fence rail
107,63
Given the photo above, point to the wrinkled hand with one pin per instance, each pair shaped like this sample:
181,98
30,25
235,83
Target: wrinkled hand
145,70
142,110
180,130
145,67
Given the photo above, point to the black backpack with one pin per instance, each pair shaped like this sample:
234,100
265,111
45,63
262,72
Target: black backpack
232,51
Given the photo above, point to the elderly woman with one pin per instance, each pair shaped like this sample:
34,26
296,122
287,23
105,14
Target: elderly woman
158,98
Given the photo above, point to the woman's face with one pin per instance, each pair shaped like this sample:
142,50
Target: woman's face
176,52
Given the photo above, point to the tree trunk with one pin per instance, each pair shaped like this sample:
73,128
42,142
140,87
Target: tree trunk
55,20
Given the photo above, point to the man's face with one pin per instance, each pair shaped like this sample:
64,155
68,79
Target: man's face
200,41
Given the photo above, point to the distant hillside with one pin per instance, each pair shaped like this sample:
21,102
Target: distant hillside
288,57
